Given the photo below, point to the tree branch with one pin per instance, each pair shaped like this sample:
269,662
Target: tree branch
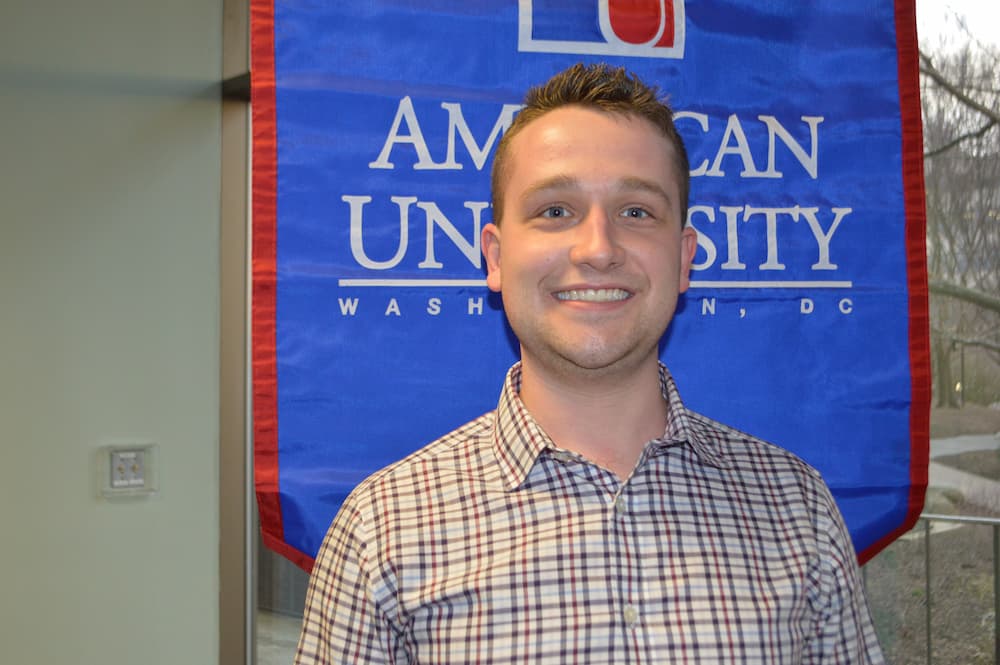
984,300
927,68
964,137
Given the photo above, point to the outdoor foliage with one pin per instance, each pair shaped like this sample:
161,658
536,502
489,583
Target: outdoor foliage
961,107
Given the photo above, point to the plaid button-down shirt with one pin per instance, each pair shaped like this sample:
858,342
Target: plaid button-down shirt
493,545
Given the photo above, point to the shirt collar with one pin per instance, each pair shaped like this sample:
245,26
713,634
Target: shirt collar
518,440
683,426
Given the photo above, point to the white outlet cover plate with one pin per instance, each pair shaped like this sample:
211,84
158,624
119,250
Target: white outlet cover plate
128,469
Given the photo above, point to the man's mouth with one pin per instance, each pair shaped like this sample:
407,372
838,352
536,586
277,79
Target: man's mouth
593,295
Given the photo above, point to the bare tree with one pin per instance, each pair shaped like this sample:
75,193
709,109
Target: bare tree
961,105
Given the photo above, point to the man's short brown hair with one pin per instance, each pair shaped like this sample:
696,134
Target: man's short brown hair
601,87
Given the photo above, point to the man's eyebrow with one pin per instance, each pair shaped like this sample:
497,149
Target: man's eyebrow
643,185
554,182
627,184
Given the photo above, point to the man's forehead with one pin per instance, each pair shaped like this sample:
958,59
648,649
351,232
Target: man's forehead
563,137
550,129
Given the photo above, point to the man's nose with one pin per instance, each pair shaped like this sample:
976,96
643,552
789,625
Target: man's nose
597,242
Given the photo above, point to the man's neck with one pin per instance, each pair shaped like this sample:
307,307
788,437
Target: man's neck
606,417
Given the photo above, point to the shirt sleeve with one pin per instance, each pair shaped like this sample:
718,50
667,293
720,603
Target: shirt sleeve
342,622
844,632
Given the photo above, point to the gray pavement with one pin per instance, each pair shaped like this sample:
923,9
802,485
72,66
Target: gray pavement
964,444
977,490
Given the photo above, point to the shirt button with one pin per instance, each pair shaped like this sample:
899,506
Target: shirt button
620,506
631,615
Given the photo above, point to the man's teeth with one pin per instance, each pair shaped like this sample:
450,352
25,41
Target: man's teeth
593,295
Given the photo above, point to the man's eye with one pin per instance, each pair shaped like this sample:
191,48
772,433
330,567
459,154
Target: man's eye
635,213
555,212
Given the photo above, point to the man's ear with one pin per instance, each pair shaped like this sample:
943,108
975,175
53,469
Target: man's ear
491,252
689,245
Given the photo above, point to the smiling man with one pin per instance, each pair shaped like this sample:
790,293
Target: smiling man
590,255
591,518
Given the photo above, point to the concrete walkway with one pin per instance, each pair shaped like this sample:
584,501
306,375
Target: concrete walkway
980,491
964,444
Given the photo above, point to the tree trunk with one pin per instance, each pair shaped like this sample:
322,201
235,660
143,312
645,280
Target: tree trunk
944,385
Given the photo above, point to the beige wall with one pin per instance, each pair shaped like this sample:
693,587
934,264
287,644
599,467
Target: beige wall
109,326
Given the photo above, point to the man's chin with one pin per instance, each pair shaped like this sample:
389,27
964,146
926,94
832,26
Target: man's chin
600,360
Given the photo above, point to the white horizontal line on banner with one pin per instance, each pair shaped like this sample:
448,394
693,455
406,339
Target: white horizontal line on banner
771,285
695,284
411,282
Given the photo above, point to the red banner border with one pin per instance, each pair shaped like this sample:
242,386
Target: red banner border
908,67
264,261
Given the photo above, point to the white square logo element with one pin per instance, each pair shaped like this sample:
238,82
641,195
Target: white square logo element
643,29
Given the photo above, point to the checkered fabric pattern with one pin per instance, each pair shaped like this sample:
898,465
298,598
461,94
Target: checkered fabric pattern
493,545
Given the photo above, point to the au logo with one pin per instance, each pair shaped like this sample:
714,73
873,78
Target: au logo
637,28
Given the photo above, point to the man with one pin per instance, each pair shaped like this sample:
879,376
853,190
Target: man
591,518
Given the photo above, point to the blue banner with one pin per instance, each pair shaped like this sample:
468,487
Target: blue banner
374,333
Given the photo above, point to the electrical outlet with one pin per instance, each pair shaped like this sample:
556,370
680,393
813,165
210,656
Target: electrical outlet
128,469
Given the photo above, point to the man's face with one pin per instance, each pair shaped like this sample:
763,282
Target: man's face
590,255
